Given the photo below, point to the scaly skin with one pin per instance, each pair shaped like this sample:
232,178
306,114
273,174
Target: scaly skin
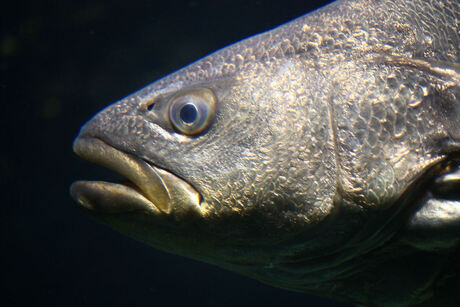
329,134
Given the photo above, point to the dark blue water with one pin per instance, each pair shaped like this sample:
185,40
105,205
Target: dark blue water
61,62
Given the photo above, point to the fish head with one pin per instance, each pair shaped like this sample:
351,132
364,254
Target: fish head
216,169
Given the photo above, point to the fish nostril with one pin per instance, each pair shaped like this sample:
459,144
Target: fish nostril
150,106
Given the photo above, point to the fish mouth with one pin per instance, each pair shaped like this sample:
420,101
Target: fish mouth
148,188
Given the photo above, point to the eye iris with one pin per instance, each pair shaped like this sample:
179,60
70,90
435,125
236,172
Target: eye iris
192,111
188,114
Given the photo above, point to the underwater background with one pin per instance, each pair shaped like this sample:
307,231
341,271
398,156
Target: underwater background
61,62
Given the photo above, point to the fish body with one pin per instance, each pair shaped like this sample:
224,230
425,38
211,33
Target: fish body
322,156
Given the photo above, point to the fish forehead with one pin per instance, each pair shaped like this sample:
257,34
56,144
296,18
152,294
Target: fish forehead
342,29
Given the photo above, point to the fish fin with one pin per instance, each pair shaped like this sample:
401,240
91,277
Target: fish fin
436,224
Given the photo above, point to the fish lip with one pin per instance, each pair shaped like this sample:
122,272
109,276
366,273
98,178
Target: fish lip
146,190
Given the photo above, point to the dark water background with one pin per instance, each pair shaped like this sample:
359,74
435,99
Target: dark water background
61,62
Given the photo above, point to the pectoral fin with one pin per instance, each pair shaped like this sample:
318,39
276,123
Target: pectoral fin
436,224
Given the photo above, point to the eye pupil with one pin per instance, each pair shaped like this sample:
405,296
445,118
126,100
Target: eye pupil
188,114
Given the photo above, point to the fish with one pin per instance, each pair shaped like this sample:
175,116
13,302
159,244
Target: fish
321,157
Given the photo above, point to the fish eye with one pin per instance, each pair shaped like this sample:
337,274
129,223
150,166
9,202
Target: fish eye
192,111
